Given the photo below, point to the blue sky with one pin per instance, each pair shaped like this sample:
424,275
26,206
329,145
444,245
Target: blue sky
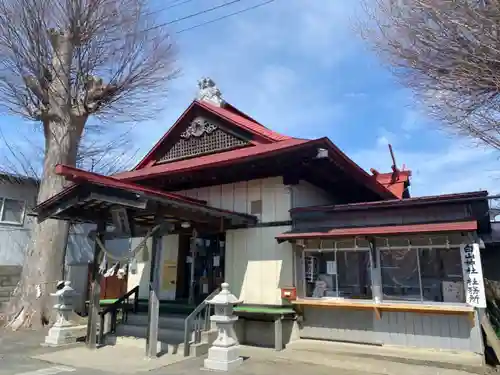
299,67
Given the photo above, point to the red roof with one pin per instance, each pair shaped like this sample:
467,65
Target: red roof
80,176
245,123
219,159
265,143
394,183
230,114
466,226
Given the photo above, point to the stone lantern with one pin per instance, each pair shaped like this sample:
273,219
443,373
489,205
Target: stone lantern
223,355
64,331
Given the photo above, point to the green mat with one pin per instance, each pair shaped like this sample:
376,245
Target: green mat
264,310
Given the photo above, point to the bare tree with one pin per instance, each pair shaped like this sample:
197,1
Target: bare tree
97,153
448,53
61,62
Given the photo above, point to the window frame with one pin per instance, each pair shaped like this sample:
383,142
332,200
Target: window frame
421,301
308,251
375,259
2,208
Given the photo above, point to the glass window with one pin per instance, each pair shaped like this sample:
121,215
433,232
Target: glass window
442,278
12,211
400,279
338,274
430,275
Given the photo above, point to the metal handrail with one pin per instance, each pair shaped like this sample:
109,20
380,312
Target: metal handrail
197,322
113,309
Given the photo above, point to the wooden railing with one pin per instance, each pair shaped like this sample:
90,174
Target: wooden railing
197,322
122,304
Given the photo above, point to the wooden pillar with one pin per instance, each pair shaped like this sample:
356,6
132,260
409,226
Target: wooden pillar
95,291
192,281
154,301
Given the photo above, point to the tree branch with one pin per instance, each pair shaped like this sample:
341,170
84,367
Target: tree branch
448,54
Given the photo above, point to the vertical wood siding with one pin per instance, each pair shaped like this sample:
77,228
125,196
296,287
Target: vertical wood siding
338,325
276,201
257,267
446,332
305,194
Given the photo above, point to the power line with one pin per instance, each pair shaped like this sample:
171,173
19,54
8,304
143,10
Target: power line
173,5
225,16
208,10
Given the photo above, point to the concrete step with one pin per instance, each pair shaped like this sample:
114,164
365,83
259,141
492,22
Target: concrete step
168,321
162,347
170,335
140,331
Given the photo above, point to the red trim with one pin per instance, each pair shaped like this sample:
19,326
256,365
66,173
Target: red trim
279,143
385,230
431,199
146,159
239,120
243,122
80,176
256,152
216,160
359,173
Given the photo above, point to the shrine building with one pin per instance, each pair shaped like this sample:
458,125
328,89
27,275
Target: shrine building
313,245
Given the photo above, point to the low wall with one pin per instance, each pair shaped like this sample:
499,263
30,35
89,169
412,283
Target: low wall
9,277
429,331
261,333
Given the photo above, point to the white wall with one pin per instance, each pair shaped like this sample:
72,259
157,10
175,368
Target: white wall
13,238
257,266
275,196
305,194
141,275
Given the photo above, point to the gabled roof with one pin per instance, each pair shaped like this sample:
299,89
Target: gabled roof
259,152
246,122
397,183
229,114
257,142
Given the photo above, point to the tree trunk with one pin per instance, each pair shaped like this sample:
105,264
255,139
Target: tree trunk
31,304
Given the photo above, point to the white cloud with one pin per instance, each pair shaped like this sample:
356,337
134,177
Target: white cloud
263,62
383,141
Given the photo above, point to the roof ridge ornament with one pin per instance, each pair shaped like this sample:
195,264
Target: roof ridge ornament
209,92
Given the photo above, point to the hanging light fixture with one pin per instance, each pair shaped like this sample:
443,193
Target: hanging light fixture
185,224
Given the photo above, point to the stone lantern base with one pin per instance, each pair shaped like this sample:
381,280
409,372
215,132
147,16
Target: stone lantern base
63,335
223,359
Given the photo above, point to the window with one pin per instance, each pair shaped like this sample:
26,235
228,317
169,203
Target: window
427,275
256,207
338,273
12,211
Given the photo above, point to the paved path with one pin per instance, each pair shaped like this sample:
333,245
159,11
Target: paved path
22,354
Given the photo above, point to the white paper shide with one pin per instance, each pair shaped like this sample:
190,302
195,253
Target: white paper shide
473,275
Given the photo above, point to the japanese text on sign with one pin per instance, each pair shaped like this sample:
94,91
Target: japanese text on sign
473,275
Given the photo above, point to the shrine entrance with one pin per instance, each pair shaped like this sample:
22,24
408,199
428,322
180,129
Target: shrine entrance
123,210
204,269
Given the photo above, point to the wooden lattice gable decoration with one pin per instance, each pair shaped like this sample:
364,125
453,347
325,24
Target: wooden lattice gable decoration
202,136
